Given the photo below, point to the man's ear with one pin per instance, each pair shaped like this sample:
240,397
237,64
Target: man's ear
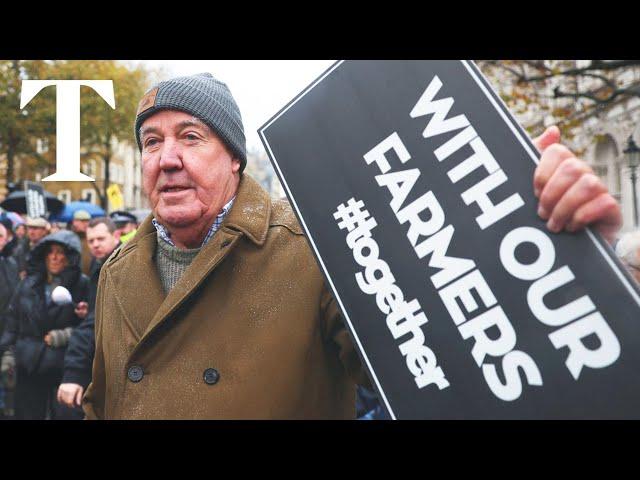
235,165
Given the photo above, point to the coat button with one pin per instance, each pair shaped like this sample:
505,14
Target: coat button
211,376
135,373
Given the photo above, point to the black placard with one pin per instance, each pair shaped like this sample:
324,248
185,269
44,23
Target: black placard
460,300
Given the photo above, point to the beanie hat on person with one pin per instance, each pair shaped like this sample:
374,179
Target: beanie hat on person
204,97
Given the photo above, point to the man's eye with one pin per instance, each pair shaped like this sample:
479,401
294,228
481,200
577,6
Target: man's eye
150,142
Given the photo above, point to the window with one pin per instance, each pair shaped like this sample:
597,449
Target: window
64,196
89,168
89,195
42,145
606,164
119,174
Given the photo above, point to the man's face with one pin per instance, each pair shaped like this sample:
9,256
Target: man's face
79,226
4,237
56,260
187,172
35,234
101,241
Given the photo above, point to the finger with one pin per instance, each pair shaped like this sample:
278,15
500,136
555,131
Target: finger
603,212
550,136
79,397
564,177
581,192
59,396
552,157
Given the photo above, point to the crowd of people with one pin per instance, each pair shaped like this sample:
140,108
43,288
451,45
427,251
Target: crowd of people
231,316
47,345
49,348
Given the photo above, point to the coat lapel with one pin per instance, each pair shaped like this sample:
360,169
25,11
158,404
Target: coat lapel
210,256
249,216
135,283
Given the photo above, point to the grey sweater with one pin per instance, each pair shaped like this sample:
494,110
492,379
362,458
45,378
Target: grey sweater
172,262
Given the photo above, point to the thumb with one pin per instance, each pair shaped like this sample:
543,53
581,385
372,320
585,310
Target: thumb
550,136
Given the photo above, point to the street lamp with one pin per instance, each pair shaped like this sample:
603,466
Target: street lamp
632,153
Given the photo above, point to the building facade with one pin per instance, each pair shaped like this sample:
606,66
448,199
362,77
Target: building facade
124,171
599,133
605,137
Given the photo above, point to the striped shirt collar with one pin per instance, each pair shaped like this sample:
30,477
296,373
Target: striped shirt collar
166,236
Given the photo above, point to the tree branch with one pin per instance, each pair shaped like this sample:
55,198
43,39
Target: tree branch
592,95
595,65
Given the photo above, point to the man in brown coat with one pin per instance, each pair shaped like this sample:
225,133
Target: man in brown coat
217,309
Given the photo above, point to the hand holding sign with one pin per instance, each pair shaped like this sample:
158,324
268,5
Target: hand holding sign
571,195
414,184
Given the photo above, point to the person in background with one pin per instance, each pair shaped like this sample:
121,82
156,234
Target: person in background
15,247
9,279
21,231
79,226
57,226
628,250
126,225
369,406
35,326
37,229
78,358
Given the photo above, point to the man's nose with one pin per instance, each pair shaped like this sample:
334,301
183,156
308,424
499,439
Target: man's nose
171,155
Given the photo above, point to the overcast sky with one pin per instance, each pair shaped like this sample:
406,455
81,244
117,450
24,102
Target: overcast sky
261,87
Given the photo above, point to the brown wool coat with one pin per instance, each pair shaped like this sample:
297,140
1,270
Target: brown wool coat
253,306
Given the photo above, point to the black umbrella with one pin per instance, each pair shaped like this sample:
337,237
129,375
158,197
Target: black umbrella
16,202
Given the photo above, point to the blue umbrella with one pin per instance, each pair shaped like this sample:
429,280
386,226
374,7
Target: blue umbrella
66,215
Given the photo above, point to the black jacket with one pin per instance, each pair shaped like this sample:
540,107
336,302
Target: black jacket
30,315
18,249
8,282
78,360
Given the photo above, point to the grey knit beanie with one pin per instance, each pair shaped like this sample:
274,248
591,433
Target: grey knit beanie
203,97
